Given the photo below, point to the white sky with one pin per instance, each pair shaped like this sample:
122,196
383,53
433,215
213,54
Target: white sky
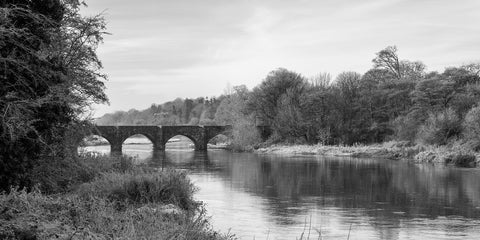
160,50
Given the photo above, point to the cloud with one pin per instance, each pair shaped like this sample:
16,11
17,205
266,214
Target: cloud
162,49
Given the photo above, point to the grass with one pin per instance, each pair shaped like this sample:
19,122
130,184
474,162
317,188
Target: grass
100,197
165,187
392,150
61,175
24,215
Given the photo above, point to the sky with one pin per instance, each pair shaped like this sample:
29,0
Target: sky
160,50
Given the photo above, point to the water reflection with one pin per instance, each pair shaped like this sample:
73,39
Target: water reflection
260,195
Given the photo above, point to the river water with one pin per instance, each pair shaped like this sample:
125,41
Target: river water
281,197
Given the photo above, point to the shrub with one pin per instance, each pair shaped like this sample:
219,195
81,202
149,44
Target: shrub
166,187
245,135
439,128
405,128
471,125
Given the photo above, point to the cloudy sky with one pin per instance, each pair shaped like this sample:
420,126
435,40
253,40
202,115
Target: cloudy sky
160,50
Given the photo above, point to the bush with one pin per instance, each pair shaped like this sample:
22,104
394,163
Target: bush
471,125
405,128
245,135
166,187
439,128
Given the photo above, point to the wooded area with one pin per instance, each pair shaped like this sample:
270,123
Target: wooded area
395,100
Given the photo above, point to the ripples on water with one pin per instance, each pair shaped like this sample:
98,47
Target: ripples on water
255,196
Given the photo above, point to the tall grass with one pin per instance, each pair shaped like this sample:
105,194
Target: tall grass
165,187
102,197
62,174
33,215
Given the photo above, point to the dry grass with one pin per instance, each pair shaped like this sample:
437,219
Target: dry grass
100,197
36,216
165,187
394,150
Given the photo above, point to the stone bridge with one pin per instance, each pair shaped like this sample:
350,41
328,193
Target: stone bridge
159,135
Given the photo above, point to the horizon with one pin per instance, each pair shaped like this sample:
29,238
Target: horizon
161,50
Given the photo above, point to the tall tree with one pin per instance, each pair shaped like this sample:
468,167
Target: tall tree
277,100
50,74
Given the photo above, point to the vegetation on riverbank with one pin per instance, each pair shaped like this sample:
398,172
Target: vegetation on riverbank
113,200
454,155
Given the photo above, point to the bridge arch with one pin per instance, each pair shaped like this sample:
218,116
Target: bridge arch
89,140
195,133
148,136
194,141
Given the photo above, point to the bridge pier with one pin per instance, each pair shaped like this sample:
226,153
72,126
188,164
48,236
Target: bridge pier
158,147
116,148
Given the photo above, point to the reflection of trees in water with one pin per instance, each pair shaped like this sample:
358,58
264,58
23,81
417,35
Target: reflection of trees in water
184,159
397,189
386,192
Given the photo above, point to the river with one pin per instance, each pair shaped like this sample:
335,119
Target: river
281,197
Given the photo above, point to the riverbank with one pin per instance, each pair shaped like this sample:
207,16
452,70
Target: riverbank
388,150
113,200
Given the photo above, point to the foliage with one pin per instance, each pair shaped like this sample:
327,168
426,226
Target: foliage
406,127
233,111
199,111
471,125
245,135
37,216
395,100
277,102
440,127
50,75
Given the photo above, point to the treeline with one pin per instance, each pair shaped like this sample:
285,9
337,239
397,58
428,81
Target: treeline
199,111
395,100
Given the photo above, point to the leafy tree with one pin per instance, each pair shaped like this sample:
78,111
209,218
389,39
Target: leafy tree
280,91
50,75
233,106
440,127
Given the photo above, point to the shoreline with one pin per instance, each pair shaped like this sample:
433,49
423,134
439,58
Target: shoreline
372,151
389,150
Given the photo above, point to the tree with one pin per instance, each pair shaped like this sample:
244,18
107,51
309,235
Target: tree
50,75
440,127
233,106
270,98
388,59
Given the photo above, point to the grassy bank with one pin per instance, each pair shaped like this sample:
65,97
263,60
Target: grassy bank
455,155
117,201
